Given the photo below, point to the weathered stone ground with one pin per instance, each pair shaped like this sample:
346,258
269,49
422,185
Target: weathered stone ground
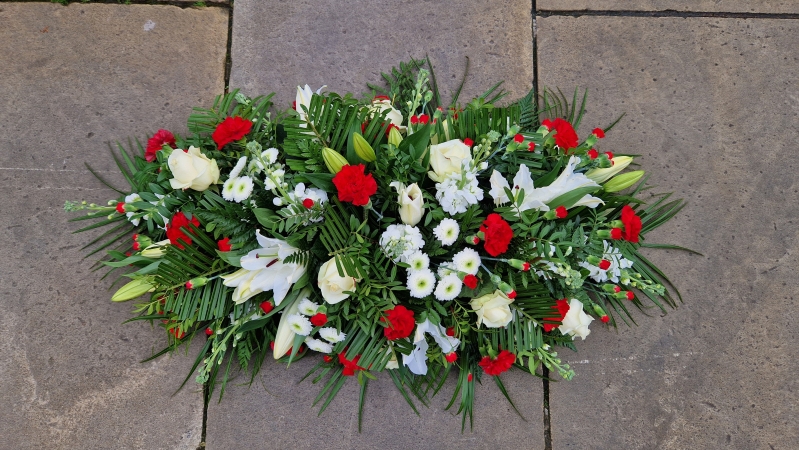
712,101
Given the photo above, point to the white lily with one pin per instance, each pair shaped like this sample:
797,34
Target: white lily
417,360
263,270
304,99
284,336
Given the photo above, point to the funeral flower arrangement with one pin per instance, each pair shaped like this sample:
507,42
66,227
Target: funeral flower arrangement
392,234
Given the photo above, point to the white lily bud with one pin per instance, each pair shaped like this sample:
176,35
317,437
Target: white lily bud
284,336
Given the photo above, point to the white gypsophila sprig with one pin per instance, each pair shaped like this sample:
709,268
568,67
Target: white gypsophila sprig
467,260
300,324
317,345
421,283
447,231
459,190
308,307
401,241
448,287
332,335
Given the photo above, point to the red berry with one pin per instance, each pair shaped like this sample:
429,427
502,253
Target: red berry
308,203
518,138
319,319
451,357
604,264
267,307
209,331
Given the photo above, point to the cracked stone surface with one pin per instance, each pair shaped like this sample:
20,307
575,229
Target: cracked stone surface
712,108
73,79
716,6
278,46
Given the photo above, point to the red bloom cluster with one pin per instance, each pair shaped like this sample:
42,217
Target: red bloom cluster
349,366
563,307
497,234
495,366
157,142
400,323
231,129
632,224
354,185
174,229
565,136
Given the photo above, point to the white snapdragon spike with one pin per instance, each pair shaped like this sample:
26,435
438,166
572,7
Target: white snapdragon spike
131,199
459,190
419,261
447,231
448,288
467,260
300,324
576,322
242,188
617,262
238,167
308,307
263,270
421,283
332,335
318,346
417,360
401,241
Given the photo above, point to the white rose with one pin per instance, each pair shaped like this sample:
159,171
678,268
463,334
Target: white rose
447,158
394,116
576,322
192,169
332,284
492,309
411,202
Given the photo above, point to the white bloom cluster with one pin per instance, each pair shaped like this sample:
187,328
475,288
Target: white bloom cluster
447,231
236,188
401,241
459,190
617,262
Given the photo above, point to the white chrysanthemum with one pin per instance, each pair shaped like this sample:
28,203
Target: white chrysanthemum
448,287
300,324
317,345
419,261
242,188
421,283
227,189
617,262
401,241
447,231
467,260
134,197
332,335
308,307
238,167
445,269
458,190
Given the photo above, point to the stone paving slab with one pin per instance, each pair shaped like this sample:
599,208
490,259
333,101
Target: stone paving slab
276,412
712,107
280,45
716,6
74,78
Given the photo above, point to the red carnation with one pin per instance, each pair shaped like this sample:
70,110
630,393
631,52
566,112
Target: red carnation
632,224
531,147
209,331
605,319
423,119
604,264
598,133
157,142
470,281
136,246
547,124
414,119
615,233
267,307
561,212
495,366
563,307
566,137
349,366
451,357
224,244
616,289
319,319
400,323
354,185
451,331
469,377
518,138
512,295
327,358
174,229
231,129
593,154
630,295
468,142
121,207
609,155
497,234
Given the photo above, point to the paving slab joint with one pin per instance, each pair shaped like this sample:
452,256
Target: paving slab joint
666,13
177,3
